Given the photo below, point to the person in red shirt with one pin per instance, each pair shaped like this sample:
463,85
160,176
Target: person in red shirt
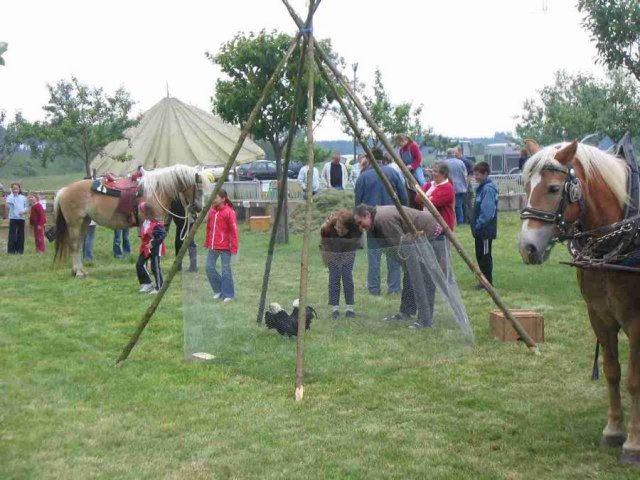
412,158
222,242
441,193
37,219
152,234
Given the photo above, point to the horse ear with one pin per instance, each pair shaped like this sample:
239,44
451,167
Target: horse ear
566,153
531,146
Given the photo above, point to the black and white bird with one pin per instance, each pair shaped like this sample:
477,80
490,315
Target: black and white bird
277,318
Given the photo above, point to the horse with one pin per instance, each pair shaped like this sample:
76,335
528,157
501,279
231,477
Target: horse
77,204
575,191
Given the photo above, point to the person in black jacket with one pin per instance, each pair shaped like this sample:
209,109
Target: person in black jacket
177,209
484,225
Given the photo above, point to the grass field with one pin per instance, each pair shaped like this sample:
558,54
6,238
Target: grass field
381,401
42,183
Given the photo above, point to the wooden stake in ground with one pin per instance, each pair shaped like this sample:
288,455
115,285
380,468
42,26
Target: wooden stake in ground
412,182
282,189
304,262
205,210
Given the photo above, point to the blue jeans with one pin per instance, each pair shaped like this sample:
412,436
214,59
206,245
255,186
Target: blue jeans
222,284
87,243
460,207
374,255
126,246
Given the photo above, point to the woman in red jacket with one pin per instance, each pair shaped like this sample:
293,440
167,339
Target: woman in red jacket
222,242
441,193
37,219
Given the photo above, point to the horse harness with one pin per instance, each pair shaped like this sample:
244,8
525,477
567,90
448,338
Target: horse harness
603,247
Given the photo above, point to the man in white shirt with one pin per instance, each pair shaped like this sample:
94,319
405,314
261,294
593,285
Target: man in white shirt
302,180
334,173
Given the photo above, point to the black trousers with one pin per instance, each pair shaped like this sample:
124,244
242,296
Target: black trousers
143,274
193,250
15,243
484,258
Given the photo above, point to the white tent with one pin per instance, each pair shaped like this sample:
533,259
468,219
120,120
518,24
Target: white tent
172,132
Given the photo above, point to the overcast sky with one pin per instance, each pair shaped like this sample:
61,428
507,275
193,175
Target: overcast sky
470,62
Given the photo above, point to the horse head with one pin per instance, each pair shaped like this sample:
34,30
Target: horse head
553,193
178,182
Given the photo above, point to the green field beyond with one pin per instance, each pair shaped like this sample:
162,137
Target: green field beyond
381,401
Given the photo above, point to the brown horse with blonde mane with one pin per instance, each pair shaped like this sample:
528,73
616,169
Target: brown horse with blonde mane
77,204
578,188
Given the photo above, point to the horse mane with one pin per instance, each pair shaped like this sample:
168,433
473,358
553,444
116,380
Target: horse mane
169,181
597,165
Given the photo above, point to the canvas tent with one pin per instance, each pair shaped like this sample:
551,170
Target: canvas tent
173,132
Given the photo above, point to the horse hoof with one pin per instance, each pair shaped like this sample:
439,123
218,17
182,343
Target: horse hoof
80,274
613,441
630,457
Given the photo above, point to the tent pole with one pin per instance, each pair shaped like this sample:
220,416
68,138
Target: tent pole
205,210
282,190
304,262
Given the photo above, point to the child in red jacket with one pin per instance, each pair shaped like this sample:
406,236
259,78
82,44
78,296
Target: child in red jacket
222,242
152,247
37,219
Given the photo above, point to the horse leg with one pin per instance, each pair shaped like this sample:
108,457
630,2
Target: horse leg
75,237
613,435
631,448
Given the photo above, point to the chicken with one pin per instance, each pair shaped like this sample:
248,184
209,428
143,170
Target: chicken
277,318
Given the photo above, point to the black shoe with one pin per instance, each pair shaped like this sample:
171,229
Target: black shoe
335,315
350,314
478,287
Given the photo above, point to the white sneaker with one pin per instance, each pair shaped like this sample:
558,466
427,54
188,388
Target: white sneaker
153,291
145,288
227,300
216,296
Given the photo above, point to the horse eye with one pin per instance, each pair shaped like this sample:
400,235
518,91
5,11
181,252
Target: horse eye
554,188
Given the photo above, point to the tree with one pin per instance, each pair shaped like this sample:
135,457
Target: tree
249,61
12,136
579,104
80,122
614,26
393,119
3,48
299,151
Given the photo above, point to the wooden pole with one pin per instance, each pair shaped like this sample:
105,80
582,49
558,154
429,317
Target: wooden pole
205,210
493,293
304,262
282,190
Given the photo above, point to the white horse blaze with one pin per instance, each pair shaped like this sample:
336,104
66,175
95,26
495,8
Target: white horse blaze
535,180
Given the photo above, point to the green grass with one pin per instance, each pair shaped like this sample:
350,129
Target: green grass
42,183
380,401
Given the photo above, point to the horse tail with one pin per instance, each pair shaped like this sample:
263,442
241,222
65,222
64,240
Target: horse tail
62,232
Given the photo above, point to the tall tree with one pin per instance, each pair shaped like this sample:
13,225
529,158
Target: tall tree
249,60
614,26
3,48
12,135
579,104
80,121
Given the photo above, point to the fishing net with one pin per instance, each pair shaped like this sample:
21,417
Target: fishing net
408,318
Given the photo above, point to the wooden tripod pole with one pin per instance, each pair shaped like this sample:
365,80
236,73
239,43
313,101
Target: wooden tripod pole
205,210
282,190
304,262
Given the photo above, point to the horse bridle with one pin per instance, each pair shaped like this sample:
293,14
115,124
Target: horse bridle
571,193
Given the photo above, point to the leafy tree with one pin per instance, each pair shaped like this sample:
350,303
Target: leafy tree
614,26
393,119
249,61
299,151
80,122
579,104
12,136
3,48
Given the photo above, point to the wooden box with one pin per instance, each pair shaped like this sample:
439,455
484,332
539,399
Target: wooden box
532,322
260,224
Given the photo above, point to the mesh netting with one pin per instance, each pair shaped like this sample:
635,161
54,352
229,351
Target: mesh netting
410,301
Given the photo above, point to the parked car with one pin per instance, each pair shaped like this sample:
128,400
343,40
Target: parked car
263,170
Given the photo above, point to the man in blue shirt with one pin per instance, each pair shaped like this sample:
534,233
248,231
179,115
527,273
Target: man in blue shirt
370,190
458,173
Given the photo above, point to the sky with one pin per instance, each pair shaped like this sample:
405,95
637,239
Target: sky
471,63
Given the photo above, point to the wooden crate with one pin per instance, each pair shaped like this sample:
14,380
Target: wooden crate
260,223
532,322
